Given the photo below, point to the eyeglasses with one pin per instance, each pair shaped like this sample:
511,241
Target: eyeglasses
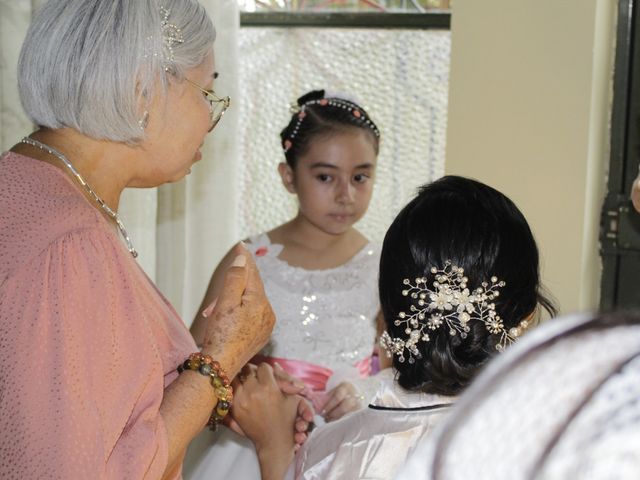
217,105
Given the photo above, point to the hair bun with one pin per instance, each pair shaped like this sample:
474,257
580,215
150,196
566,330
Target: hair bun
312,95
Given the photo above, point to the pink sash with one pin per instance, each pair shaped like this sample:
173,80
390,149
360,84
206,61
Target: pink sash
315,377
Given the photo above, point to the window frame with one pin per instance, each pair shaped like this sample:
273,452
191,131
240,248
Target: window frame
440,19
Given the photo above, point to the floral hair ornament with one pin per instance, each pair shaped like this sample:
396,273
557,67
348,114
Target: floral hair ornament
171,35
448,302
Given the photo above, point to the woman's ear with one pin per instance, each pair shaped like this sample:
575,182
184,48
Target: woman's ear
288,177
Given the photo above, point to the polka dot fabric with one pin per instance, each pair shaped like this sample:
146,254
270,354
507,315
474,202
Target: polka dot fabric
88,343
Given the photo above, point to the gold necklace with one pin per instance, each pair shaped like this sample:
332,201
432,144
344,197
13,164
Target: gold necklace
87,188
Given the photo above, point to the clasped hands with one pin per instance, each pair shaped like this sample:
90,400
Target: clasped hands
269,406
266,405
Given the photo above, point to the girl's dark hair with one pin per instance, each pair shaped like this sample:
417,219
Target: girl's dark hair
479,229
318,116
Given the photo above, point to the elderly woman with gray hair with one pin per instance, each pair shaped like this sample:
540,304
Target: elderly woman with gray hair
99,377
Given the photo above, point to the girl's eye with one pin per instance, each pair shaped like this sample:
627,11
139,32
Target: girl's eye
324,178
361,178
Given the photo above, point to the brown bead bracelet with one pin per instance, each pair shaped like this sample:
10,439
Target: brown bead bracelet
207,366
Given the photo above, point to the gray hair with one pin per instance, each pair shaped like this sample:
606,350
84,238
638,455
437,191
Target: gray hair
89,64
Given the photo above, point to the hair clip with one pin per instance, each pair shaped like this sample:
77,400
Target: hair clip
448,303
171,34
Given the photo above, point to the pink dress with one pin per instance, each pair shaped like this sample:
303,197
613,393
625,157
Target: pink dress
87,342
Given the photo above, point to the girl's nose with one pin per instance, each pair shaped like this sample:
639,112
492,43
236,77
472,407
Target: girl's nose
346,193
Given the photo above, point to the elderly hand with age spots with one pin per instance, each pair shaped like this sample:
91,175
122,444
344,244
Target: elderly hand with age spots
241,319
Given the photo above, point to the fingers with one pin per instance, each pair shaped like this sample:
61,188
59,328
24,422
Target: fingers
300,438
207,311
265,375
287,383
347,405
301,425
235,281
337,395
342,399
305,410
254,281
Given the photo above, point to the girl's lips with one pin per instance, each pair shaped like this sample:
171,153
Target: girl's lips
198,156
341,217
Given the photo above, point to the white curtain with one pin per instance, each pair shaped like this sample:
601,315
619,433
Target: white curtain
181,230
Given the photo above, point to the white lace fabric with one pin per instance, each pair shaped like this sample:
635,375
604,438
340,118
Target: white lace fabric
326,317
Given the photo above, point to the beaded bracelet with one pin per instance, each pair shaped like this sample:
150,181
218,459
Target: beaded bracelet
207,366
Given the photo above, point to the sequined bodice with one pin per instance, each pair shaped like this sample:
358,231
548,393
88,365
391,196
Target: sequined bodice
325,317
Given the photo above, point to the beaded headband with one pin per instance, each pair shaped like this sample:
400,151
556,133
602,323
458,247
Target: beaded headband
449,303
356,111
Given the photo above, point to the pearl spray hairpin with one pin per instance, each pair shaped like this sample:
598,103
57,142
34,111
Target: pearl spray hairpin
448,303
171,34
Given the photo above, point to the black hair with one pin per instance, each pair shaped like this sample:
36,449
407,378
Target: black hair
318,116
479,229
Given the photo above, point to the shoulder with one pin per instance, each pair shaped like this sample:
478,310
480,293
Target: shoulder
39,206
365,248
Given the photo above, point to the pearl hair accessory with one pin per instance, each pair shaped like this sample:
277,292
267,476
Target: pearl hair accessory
333,102
448,302
171,34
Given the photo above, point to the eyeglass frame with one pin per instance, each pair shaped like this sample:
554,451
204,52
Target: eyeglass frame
212,98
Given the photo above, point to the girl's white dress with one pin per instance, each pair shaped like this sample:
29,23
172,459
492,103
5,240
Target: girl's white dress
324,317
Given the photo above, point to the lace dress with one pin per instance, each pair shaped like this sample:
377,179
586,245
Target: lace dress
324,319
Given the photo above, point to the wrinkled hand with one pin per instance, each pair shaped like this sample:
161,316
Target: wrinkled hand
241,319
265,414
342,399
289,385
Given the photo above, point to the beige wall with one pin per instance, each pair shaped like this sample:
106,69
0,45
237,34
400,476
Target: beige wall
528,114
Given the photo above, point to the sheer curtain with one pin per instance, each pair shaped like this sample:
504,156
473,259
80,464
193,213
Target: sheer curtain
180,230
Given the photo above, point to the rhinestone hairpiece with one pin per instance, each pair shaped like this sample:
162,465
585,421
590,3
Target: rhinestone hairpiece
447,302
333,102
171,34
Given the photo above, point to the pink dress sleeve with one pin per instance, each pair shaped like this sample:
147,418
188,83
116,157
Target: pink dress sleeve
87,347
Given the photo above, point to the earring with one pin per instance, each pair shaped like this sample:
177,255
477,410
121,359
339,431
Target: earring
142,123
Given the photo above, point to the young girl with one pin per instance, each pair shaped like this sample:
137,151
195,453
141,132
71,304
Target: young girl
318,270
458,283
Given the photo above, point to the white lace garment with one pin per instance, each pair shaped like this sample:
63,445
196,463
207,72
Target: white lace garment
326,317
